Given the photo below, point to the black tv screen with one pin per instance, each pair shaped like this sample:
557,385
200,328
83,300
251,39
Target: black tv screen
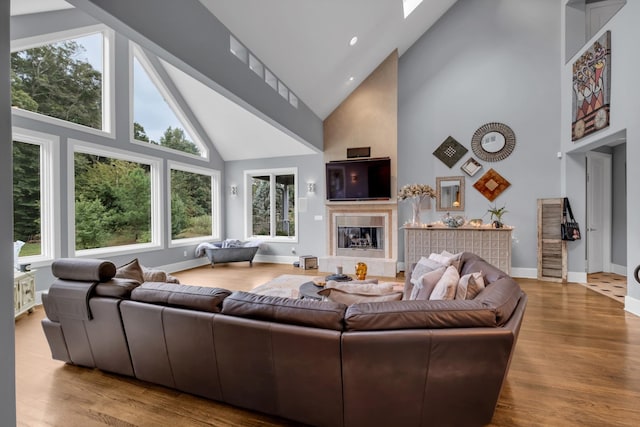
368,179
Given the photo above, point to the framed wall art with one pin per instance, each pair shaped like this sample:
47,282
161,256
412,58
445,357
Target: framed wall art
493,142
592,89
471,166
491,185
450,151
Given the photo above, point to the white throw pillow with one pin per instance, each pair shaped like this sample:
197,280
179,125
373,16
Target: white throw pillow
427,283
423,266
470,285
446,287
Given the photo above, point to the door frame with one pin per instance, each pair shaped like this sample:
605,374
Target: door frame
606,200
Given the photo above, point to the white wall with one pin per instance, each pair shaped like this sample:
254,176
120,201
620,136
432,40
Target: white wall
486,61
625,110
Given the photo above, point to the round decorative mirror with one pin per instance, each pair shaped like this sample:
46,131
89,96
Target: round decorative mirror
493,142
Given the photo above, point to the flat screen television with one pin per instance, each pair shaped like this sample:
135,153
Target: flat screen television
361,179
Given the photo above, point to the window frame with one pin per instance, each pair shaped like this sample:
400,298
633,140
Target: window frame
215,203
50,229
248,204
136,52
157,195
108,72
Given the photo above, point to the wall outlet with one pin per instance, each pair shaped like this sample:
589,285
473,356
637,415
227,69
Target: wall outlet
293,250
185,253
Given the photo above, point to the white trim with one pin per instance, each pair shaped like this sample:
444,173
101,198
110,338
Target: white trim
577,277
157,194
632,305
135,52
49,184
619,269
276,259
524,273
216,217
108,73
183,265
248,203
604,199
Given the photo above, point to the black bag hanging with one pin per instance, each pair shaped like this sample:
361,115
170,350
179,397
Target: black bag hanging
569,228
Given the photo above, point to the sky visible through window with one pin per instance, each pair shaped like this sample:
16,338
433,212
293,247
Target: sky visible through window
149,107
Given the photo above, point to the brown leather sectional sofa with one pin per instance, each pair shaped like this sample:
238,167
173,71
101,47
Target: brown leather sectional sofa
403,363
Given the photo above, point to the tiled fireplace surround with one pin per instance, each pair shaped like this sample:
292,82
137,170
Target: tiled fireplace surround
381,264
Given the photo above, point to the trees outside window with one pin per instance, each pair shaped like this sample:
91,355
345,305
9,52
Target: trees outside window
112,202
192,203
26,197
271,203
62,80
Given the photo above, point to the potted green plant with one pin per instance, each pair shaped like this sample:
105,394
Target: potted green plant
496,215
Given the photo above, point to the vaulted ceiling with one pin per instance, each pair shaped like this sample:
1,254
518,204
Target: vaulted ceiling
306,44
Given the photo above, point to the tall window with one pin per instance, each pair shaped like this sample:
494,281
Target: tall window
271,203
26,197
62,80
154,118
112,201
34,213
194,200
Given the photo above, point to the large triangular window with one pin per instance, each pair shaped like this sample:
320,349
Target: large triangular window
156,117
63,79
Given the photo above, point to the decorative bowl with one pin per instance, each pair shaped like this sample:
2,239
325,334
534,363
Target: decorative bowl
453,221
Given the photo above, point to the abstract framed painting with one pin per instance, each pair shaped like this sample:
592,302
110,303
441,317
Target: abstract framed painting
592,89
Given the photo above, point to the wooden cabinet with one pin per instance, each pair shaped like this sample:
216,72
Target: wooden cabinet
492,244
24,291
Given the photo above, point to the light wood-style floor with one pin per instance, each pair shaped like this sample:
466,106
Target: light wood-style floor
577,363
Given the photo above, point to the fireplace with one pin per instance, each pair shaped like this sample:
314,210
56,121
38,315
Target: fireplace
360,236
361,232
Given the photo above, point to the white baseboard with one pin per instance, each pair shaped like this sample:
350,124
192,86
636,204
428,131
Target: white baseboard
619,269
632,305
183,265
276,259
524,273
401,266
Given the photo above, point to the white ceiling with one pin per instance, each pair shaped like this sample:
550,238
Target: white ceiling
306,44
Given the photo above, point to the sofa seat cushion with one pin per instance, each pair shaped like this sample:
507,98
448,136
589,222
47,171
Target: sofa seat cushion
419,315
349,297
302,312
182,296
116,288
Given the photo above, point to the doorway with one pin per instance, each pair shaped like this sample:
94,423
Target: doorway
598,225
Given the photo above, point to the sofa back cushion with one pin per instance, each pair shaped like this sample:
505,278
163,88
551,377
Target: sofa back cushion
502,297
419,314
471,263
182,296
83,270
302,312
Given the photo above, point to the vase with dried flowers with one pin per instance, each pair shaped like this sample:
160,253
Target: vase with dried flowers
416,193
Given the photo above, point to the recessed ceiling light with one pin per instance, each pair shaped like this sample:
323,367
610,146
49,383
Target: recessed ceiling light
353,40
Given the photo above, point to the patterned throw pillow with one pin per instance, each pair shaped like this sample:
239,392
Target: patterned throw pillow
470,285
445,289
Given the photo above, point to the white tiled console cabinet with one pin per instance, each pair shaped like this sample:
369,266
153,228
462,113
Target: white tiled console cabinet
24,291
492,244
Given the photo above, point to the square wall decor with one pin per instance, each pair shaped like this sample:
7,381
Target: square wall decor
491,184
471,166
450,151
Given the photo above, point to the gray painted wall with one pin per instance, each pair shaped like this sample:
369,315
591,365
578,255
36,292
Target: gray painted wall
7,335
207,38
486,62
311,232
619,206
